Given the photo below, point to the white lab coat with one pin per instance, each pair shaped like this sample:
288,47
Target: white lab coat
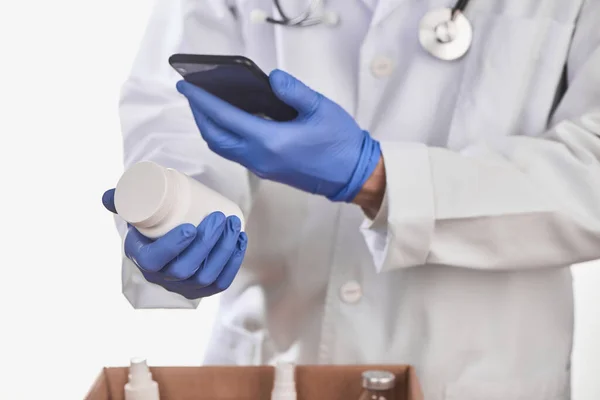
493,190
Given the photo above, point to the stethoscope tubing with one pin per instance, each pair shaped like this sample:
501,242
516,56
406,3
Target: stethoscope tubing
306,19
445,46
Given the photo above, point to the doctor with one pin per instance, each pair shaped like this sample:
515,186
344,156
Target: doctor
418,211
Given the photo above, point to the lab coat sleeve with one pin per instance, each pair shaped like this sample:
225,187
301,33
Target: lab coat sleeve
513,203
157,123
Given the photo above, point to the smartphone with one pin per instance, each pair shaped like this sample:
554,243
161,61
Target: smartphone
236,80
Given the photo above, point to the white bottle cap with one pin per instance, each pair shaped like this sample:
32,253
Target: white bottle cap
284,387
144,194
140,385
139,373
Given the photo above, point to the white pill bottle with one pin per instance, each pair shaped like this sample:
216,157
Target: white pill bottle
155,199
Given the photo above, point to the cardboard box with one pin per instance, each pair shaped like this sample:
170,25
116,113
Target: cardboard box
255,383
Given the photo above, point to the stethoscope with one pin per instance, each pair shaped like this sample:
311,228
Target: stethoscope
445,33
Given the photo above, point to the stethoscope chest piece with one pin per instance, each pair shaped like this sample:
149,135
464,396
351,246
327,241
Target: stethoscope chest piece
444,36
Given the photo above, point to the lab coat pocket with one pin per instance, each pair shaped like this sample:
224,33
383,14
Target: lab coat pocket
547,389
234,345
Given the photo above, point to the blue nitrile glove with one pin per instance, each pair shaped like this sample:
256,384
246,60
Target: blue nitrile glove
322,151
192,261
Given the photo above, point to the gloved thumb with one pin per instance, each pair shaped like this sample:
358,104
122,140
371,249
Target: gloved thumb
108,199
293,92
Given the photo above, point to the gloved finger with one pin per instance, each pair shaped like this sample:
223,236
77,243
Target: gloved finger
233,265
223,113
220,254
294,93
108,199
220,140
229,271
188,262
151,255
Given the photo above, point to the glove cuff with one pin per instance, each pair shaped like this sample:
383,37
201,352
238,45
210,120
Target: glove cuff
367,162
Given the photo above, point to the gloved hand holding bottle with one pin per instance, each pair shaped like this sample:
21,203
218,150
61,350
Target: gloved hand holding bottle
322,151
193,261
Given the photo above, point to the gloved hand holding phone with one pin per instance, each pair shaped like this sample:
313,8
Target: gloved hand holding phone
322,151
194,262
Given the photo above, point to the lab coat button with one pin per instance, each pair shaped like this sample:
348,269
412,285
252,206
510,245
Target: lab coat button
382,67
351,292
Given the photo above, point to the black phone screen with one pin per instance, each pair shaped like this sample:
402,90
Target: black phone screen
236,80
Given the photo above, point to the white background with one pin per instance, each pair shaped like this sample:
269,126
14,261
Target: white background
63,317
